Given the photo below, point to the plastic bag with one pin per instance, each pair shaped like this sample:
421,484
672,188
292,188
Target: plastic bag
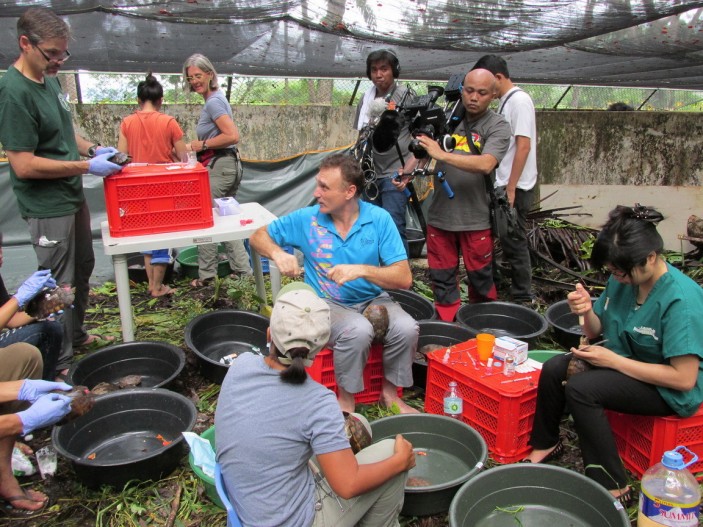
21,464
504,220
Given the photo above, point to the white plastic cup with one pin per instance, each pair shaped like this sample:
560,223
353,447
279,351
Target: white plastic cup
46,461
189,159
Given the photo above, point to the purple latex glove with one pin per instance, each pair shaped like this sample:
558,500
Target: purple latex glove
33,389
33,285
47,410
101,167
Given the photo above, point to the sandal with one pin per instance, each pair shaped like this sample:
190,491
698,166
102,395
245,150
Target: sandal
626,498
552,456
92,338
200,283
9,508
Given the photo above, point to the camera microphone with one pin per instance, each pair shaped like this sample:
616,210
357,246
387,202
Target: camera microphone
376,108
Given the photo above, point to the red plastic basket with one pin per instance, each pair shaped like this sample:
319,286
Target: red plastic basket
153,199
322,370
642,440
501,412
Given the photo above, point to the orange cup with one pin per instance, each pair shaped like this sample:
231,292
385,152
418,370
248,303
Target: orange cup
484,343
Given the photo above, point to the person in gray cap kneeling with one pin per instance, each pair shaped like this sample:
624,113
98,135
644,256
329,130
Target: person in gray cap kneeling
271,419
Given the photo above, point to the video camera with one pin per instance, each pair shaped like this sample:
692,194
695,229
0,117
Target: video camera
426,117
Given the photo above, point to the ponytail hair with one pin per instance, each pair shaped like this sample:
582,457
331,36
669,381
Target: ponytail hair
628,237
295,372
150,89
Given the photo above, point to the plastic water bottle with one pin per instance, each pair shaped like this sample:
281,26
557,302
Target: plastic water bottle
453,405
670,494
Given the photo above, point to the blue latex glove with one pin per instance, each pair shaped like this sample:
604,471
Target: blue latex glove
32,285
32,389
101,167
48,409
105,150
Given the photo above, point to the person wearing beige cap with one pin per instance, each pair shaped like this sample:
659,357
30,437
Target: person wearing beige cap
271,419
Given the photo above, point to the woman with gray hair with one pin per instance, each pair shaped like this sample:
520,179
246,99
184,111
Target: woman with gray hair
217,151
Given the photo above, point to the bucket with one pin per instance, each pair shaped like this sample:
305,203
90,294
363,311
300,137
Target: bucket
503,319
128,434
214,335
416,241
565,324
534,495
157,363
543,355
439,333
414,304
448,453
188,260
208,482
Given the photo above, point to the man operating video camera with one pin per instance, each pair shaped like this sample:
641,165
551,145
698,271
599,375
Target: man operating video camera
386,138
462,223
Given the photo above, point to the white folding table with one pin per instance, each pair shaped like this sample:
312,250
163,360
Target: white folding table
226,228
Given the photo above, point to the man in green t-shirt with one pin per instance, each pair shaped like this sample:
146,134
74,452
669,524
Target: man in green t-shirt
36,131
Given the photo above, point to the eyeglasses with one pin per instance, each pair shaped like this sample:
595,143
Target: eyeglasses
617,273
54,57
197,77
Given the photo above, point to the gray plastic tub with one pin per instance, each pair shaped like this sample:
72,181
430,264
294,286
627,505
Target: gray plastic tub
534,495
448,453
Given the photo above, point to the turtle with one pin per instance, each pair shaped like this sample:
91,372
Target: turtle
104,387
358,431
377,315
82,402
129,381
49,301
120,158
577,365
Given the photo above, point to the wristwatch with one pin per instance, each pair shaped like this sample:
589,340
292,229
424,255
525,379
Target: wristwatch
204,146
92,149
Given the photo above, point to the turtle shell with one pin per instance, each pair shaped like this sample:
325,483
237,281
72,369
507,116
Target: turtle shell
358,431
377,315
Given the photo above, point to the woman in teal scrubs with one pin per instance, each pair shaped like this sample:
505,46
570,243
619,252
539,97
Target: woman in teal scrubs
652,317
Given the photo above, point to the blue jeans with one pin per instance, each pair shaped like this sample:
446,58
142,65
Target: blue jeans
47,335
395,202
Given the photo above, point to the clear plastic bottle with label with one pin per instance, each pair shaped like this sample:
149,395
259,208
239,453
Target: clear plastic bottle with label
453,404
669,494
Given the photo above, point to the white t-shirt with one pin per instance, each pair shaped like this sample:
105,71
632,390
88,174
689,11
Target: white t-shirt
519,111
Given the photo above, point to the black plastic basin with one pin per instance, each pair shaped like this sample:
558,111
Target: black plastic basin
503,319
565,324
414,304
158,363
448,453
219,333
129,434
440,333
536,494
416,241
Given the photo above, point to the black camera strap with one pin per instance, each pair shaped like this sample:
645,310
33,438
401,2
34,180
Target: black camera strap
488,180
502,105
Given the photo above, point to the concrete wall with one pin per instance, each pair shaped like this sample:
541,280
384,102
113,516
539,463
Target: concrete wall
267,132
593,159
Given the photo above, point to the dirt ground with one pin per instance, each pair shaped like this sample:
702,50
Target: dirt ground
72,505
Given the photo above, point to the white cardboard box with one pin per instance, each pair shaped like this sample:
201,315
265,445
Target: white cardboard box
503,345
227,206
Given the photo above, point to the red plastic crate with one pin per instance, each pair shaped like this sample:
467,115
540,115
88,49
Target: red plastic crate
501,412
151,199
642,440
322,370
